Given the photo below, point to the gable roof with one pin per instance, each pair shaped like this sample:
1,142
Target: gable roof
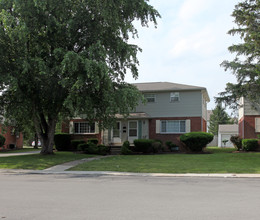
228,128
168,86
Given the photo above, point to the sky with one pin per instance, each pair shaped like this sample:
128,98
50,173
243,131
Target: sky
188,45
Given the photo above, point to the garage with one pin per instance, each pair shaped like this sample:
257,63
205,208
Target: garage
225,132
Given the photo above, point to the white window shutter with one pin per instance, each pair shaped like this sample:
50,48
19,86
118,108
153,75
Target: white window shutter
187,125
257,124
71,127
158,126
96,128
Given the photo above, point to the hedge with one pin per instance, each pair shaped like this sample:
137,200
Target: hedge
2,140
143,145
62,141
250,144
75,143
196,141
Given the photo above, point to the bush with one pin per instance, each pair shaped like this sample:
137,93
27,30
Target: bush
125,150
237,141
62,141
11,146
172,146
82,147
103,150
93,140
196,141
157,146
143,145
92,148
2,140
250,144
74,144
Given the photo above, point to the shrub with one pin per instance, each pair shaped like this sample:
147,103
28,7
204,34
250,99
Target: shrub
62,141
143,145
249,144
92,148
93,140
102,149
82,147
74,144
11,146
2,140
172,146
125,150
157,146
237,141
196,141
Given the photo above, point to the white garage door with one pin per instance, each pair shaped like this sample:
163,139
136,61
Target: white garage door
226,137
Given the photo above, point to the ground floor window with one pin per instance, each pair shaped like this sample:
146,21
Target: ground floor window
173,126
84,127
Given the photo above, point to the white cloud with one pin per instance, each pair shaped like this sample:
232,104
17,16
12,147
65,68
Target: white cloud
191,8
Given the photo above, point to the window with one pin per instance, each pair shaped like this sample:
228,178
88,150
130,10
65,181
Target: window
149,97
174,97
133,128
84,127
257,124
178,126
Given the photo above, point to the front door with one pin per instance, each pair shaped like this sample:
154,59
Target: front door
116,133
132,131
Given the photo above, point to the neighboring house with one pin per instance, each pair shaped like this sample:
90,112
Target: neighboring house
209,113
225,132
11,136
249,119
171,110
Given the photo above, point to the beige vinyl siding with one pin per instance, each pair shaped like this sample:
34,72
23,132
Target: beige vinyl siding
241,110
190,105
249,109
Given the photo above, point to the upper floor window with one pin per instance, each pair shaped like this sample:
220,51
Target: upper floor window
173,126
174,97
84,127
150,97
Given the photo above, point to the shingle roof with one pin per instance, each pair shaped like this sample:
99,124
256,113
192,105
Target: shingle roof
167,86
228,128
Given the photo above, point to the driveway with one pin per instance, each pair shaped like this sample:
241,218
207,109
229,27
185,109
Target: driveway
70,196
19,154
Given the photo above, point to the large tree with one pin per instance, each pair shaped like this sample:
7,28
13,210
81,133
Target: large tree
246,65
218,116
66,57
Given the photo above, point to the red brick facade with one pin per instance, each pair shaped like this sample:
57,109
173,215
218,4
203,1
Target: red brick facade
197,124
11,137
247,126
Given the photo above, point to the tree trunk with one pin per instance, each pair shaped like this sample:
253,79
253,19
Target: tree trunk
36,141
47,138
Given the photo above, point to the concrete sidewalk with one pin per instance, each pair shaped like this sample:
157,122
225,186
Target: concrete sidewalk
19,154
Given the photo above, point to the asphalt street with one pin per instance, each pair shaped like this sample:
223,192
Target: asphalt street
70,196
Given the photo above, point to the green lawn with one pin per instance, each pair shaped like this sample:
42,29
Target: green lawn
219,161
25,149
39,162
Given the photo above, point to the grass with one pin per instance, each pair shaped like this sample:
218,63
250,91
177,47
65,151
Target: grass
24,149
39,162
219,161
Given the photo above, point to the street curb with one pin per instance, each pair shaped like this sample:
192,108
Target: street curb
128,174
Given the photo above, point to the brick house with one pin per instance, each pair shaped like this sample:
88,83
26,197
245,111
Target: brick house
249,119
11,136
171,110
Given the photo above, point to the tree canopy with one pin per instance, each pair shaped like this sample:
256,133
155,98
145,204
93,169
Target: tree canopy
67,57
219,116
245,66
